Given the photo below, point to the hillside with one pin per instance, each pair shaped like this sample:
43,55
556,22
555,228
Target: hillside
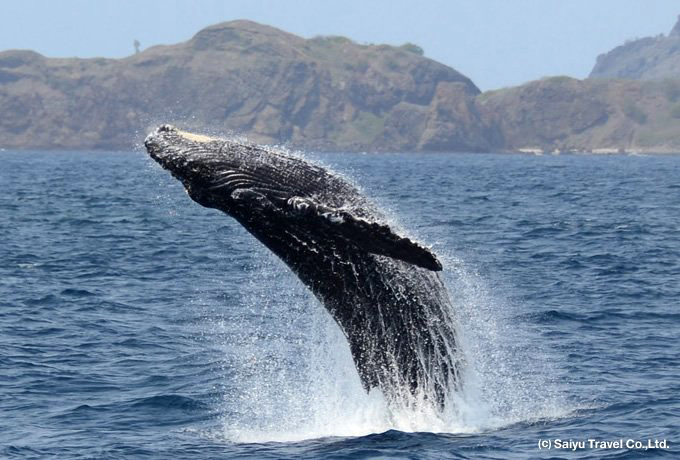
325,93
650,58
566,114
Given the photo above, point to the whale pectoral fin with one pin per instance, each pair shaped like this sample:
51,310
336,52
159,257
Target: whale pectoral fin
380,239
370,236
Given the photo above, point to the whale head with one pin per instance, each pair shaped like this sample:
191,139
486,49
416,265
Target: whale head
192,158
270,193
216,173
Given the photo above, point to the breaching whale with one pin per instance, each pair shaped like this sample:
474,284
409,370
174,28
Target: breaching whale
383,289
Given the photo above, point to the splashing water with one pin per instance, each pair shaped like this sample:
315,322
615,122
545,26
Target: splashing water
293,377
508,377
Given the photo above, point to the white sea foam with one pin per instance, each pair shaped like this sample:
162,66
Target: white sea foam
291,375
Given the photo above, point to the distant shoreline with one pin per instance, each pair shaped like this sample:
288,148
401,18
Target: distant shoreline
518,152
322,94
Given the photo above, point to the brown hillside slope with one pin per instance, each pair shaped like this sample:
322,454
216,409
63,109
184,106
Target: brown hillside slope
240,77
566,114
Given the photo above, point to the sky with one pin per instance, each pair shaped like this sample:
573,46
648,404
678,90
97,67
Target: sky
496,43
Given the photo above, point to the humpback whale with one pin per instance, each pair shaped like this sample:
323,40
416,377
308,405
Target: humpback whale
384,290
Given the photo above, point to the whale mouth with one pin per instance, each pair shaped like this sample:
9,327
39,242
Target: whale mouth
162,143
154,142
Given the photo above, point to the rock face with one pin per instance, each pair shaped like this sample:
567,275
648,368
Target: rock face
566,114
240,77
650,58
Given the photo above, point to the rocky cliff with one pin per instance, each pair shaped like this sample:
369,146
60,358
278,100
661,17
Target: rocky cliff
650,58
606,116
325,93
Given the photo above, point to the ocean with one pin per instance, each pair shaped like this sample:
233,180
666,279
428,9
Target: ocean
136,324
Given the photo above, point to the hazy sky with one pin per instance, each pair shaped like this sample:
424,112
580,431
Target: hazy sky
495,42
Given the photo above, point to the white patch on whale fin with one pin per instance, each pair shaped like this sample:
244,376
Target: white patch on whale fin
372,237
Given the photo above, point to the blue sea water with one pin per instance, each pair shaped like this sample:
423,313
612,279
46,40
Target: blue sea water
137,324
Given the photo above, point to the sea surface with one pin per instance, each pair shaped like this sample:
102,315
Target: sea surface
136,324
